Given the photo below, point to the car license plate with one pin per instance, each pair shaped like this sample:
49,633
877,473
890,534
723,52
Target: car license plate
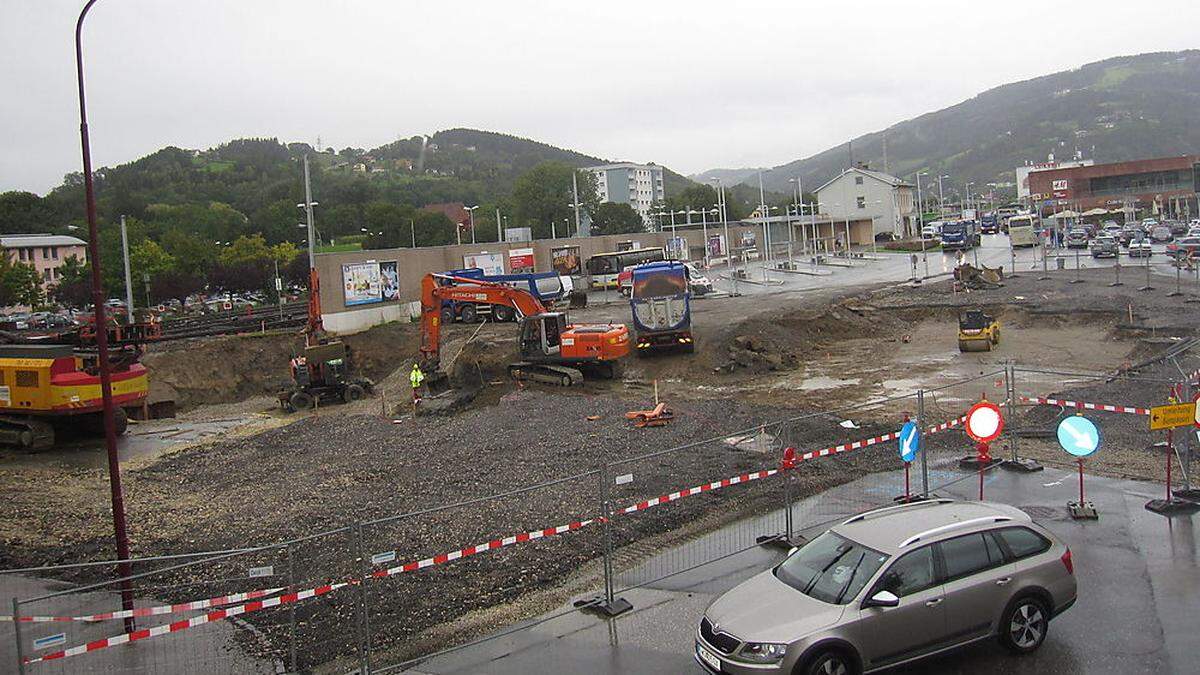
709,658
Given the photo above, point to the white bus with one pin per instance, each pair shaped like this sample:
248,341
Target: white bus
604,267
1022,231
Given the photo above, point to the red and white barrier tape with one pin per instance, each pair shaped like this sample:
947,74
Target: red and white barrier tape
153,611
707,487
443,558
1086,406
175,627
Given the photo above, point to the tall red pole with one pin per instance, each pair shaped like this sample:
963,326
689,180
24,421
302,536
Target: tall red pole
110,429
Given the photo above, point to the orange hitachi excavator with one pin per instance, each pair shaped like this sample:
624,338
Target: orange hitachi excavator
551,349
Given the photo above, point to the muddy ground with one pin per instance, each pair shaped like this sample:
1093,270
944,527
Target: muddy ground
757,361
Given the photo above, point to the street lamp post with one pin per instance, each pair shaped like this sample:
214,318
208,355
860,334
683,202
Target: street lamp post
725,224
941,197
499,233
110,430
921,223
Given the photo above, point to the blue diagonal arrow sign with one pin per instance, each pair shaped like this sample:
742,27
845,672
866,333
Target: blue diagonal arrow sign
910,441
1078,436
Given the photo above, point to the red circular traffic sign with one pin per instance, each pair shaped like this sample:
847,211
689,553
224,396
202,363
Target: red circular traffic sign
984,422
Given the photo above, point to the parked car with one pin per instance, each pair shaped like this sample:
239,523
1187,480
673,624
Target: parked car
1105,246
932,230
1077,238
892,586
1140,248
1149,224
1129,233
1110,227
1183,247
1194,232
1161,233
1177,227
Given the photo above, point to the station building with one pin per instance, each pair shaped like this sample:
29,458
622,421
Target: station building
1165,185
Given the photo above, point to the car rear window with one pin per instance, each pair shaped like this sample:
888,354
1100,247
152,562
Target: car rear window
830,568
1023,542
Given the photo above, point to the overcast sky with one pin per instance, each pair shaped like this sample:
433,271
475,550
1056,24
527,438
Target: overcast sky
692,85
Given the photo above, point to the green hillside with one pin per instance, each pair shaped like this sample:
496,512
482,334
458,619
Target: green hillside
1118,109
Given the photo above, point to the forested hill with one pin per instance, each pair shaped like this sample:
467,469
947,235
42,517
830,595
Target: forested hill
253,185
1122,108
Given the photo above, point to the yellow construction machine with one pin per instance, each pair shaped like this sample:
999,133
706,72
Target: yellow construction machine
977,331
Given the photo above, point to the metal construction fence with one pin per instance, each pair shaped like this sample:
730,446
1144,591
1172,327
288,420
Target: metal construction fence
382,595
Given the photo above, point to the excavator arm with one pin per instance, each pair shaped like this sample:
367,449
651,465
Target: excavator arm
462,289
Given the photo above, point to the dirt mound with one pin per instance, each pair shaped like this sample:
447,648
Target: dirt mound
237,367
771,341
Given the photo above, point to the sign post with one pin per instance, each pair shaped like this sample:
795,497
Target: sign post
909,446
1080,437
984,424
1168,418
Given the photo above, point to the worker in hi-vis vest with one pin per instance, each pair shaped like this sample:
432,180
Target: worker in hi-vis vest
416,377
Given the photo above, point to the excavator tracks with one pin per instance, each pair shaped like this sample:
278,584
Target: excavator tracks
549,374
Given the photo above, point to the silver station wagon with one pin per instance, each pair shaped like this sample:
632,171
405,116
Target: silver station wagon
892,586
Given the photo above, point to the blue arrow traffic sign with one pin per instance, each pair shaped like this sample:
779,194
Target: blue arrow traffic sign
1078,436
910,441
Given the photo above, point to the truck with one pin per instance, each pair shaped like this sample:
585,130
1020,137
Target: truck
548,287
661,304
958,235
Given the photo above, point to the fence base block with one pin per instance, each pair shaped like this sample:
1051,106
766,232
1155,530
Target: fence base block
780,541
909,499
1083,511
972,463
1171,508
1022,465
602,607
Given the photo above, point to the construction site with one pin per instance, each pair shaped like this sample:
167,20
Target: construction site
343,469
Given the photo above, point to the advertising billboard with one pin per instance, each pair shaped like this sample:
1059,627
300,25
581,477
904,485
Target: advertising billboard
490,263
520,260
361,283
390,280
677,246
565,261
518,234
716,245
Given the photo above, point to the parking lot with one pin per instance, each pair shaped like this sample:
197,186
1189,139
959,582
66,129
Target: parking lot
1137,573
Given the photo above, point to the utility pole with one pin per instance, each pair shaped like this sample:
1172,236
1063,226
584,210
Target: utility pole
128,277
412,230
941,197
499,232
575,201
764,214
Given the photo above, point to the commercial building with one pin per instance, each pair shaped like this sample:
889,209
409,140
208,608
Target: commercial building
638,185
860,193
1166,185
45,252
1023,172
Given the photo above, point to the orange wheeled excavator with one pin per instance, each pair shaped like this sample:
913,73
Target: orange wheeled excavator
552,349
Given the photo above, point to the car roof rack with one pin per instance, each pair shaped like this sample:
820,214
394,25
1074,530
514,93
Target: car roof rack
888,509
953,526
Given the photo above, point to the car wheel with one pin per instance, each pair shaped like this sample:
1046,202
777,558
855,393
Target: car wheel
469,314
832,662
302,400
1023,627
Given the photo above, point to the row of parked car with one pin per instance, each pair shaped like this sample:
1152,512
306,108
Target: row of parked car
1183,239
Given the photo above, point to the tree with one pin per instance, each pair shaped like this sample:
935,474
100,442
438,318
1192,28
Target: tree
193,255
176,285
544,193
20,283
613,218
74,287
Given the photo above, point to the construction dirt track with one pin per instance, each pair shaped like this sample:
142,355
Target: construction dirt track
775,357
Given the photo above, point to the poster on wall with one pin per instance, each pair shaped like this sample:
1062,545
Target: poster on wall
678,248
490,263
520,260
748,239
565,260
361,283
390,280
716,245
